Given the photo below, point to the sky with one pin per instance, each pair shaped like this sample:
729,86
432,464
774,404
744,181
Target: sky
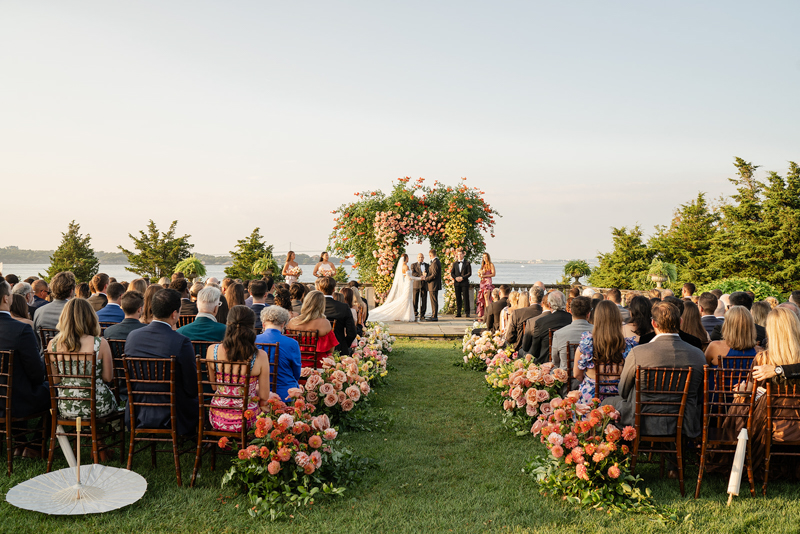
573,117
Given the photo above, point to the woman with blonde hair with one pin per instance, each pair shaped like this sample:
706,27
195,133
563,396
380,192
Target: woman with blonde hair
505,314
138,284
79,332
738,336
772,301
312,319
486,273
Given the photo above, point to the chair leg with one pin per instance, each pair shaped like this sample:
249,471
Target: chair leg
45,421
767,454
749,461
95,444
702,468
177,457
679,450
9,451
197,458
130,448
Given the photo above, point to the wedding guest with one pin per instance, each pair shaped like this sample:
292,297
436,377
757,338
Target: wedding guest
603,344
195,290
362,307
772,301
666,293
345,327
312,319
284,300
205,326
275,319
707,303
238,345
112,311
717,293
132,303
760,310
558,318
486,273
688,338
235,295
789,306
288,266
83,291
349,299
740,298
159,340
176,275
12,280
30,393
324,267
99,299
739,333
25,290
19,309
640,323
79,332
164,281
181,285
615,296
574,292
688,290
297,291
588,292
40,293
505,314
655,294
213,280
691,323
138,284
258,291
725,299
530,326
147,312
492,313
581,307
516,327
63,288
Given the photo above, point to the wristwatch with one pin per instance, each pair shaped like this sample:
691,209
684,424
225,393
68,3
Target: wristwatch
779,371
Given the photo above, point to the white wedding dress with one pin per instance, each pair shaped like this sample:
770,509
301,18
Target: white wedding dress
399,304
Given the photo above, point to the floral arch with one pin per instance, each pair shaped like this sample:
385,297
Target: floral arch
376,229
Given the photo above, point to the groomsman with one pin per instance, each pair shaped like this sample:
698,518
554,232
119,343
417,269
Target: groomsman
434,280
420,270
461,271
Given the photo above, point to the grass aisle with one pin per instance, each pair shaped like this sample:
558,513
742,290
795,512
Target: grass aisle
446,465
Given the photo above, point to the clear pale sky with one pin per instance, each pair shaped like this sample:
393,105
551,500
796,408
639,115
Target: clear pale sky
572,116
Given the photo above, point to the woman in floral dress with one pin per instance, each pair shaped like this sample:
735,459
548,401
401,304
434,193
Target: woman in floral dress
79,332
604,344
486,273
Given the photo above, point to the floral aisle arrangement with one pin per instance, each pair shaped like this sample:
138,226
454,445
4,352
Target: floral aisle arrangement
523,388
588,460
376,336
293,456
479,349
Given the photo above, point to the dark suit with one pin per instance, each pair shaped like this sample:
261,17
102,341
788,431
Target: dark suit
158,340
269,300
434,280
666,351
761,333
111,313
492,313
98,301
37,303
530,325
188,307
540,348
257,307
420,288
688,338
514,331
297,306
121,330
203,329
464,270
710,323
345,330
30,392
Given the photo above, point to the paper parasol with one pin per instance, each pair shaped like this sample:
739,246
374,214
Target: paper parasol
738,466
88,489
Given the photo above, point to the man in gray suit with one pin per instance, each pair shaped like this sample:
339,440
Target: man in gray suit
63,288
580,308
665,350
420,270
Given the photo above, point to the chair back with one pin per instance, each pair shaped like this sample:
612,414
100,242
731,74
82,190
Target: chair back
117,353
273,354
151,383
183,320
226,385
308,346
6,376
79,369
736,362
106,324
46,335
607,377
727,394
783,411
201,347
550,333
661,393
572,348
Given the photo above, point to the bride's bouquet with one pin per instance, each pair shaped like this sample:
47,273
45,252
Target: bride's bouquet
294,271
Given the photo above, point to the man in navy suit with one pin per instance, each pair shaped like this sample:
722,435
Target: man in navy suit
345,329
159,340
30,393
131,303
112,312
258,292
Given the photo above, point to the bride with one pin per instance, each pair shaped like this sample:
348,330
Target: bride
399,304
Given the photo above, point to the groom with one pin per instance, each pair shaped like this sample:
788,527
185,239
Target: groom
434,280
420,270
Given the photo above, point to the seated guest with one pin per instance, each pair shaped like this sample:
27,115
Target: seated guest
740,298
83,291
212,280
297,291
12,280
516,326
558,318
258,290
654,294
312,319
284,300
349,299
530,325
690,322
30,393
235,295
361,306
195,290
574,292
63,288
772,301
239,345
604,344
666,293
19,309
493,310
159,340
688,289
666,350
164,281
505,313
25,290
345,329
112,312
789,306
274,319
181,285
147,312
205,326
138,284
40,293
641,321
739,336
794,298
79,332
269,298
99,299
708,306
131,303
572,333
688,338
615,296
760,310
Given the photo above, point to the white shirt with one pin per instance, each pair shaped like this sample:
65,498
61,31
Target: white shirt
162,322
6,312
665,334
113,304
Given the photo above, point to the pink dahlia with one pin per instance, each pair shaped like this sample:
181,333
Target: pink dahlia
274,467
284,454
628,433
555,438
330,433
302,459
557,451
580,470
570,441
315,442
560,414
614,471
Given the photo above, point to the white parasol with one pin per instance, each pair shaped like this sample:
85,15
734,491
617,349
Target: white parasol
738,466
88,489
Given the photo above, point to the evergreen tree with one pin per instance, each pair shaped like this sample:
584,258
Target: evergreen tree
687,242
781,220
159,252
626,266
248,251
73,254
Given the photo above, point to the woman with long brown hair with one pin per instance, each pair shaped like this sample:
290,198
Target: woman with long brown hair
238,345
290,267
604,344
691,323
147,313
235,295
486,273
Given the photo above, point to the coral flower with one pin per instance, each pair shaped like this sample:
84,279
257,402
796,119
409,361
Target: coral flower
315,442
557,451
260,432
248,414
580,470
628,433
330,433
274,467
243,454
309,469
223,442
284,454
302,459
614,471
264,452
560,414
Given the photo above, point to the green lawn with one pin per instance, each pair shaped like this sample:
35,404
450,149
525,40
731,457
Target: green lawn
446,466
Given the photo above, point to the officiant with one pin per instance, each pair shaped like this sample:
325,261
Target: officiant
461,271
420,270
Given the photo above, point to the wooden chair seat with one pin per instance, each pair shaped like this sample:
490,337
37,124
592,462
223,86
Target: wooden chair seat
273,354
783,406
308,347
606,376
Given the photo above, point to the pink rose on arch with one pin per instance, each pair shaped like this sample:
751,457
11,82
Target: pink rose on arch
582,409
341,396
537,427
321,422
347,405
326,389
331,399
542,395
312,397
546,409
531,410
520,402
560,375
556,402
548,380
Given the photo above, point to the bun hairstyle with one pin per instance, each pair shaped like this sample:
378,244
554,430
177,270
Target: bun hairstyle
240,335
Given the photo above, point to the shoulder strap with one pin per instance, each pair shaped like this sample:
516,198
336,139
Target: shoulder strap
253,360
215,351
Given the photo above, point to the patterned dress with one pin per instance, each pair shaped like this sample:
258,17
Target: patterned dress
226,414
105,403
484,289
586,361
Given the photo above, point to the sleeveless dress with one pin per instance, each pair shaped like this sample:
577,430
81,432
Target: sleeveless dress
586,361
326,344
105,405
226,414
484,289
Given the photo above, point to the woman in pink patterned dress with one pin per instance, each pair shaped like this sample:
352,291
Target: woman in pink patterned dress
486,273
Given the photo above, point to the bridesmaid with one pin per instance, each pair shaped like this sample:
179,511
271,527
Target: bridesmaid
324,267
486,273
290,264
